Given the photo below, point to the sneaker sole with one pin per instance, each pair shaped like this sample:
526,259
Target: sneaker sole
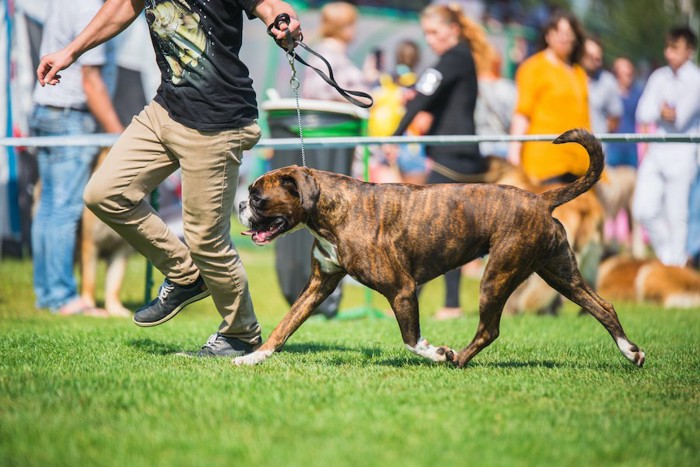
172,314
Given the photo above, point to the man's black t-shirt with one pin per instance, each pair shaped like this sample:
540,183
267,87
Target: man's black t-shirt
204,85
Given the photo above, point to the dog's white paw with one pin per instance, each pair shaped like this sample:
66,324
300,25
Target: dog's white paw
436,354
253,358
633,353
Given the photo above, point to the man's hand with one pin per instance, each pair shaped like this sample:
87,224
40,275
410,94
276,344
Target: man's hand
668,112
282,25
269,10
51,64
279,31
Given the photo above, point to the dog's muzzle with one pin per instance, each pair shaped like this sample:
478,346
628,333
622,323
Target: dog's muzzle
261,230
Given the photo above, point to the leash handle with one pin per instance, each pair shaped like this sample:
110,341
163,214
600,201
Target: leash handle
288,45
328,78
288,42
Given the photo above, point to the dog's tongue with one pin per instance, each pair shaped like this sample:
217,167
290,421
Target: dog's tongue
258,237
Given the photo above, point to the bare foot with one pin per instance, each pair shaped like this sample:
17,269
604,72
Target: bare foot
118,310
448,313
79,306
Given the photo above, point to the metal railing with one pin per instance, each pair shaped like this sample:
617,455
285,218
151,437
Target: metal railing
344,142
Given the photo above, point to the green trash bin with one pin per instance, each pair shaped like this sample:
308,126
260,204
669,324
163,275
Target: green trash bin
318,119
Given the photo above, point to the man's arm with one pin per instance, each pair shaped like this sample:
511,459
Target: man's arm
98,100
268,10
111,19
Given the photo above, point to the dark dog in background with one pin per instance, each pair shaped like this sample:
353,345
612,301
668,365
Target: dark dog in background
394,237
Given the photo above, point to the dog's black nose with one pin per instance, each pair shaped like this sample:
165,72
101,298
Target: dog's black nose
241,205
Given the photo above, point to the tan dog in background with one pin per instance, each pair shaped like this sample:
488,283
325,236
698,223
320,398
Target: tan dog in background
582,218
616,192
649,281
99,241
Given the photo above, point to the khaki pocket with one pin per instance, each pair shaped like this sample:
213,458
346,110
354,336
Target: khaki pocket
250,136
242,139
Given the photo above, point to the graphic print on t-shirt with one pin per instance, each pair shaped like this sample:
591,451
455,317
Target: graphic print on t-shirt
180,37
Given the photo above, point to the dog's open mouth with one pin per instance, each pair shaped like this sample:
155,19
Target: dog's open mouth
266,235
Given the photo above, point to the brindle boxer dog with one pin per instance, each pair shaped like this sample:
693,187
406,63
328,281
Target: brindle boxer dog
395,237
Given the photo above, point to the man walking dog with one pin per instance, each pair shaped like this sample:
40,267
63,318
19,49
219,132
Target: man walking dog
201,120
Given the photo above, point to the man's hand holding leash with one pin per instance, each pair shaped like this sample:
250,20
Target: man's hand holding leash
282,23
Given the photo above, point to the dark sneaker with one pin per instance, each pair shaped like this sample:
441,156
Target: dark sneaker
223,346
172,298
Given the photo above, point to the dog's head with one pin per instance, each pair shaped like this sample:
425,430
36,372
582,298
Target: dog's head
278,202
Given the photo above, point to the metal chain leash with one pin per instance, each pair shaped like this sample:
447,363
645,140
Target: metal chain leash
288,45
294,83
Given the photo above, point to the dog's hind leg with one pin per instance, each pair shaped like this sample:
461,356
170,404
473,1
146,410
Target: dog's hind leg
404,303
500,279
560,271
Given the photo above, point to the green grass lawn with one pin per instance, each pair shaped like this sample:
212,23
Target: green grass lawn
550,391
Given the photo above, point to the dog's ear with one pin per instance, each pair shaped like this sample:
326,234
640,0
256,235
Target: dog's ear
302,184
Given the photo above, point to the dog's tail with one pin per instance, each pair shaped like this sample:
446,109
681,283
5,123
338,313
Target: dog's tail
559,196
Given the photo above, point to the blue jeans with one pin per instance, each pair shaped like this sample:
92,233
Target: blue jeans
63,172
412,159
694,219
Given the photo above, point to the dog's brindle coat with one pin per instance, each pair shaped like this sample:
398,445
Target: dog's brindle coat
395,237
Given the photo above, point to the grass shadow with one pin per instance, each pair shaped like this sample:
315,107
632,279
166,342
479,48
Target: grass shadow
343,355
549,364
314,347
152,347
409,362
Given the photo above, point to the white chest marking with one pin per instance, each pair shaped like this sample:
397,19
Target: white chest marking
327,255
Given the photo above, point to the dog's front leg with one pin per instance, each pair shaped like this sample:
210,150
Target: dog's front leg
317,289
405,306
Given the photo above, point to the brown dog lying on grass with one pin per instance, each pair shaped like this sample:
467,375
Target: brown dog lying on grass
394,237
649,281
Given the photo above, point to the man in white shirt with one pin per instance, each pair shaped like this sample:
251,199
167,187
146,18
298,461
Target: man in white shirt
64,170
671,103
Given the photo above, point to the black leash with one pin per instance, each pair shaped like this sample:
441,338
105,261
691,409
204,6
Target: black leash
288,45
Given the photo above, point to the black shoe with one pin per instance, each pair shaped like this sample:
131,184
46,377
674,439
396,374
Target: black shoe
223,346
172,298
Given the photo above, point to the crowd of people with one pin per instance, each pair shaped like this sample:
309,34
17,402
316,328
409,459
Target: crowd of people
564,85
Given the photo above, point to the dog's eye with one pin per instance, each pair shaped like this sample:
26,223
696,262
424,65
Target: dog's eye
256,201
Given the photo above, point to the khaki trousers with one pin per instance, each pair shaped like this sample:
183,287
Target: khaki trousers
152,147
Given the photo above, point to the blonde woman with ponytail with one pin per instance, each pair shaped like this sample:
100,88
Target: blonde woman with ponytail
447,91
